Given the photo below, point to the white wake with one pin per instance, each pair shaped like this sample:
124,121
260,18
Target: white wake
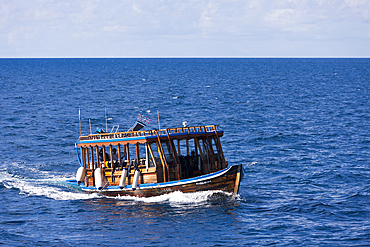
52,186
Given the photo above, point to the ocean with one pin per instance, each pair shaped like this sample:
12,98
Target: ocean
300,127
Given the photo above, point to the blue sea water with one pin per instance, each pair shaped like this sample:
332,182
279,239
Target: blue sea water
300,127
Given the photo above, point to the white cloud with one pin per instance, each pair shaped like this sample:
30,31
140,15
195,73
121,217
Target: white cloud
181,28
137,8
281,16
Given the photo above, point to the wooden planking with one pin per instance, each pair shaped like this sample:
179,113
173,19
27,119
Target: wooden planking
146,177
226,182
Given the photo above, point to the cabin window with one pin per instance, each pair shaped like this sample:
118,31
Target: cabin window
148,156
155,153
182,147
170,152
216,150
203,150
187,147
144,155
167,151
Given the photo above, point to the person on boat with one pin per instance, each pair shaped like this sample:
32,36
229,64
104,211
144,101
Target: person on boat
115,154
193,168
115,157
193,159
102,157
123,161
99,130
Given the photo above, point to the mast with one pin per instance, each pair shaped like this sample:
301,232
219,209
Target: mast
79,118
106,121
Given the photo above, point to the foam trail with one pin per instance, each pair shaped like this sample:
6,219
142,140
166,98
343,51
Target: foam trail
54,186
179,198
4,176
34,188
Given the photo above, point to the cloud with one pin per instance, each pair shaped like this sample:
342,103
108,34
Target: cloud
137,8
180,28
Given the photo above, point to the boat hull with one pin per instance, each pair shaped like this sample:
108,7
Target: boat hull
227,180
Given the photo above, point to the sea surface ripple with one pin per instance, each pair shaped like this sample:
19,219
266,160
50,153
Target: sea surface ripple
300,127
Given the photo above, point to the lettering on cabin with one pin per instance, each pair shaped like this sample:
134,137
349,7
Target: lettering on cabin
205,182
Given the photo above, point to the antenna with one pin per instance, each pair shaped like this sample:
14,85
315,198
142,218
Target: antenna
159,124
106,121
90,126
79,117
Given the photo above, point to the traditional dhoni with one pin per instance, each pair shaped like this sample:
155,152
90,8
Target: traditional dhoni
155,162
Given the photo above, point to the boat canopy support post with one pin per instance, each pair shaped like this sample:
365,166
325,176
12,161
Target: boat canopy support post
97,157
137,154
128,163
146,157
111,156
151,154
127,153
201,155
83,156
104,158
87,158
206,152
221,153
119,153
211,153
92,158
163,159
176,158
79,156
178,147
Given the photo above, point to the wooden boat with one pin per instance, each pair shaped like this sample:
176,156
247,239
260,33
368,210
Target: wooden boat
155,162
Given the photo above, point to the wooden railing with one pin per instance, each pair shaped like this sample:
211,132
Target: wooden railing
161,132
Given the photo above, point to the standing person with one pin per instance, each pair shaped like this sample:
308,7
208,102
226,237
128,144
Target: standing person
115,158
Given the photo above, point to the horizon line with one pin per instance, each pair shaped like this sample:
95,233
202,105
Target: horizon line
180,57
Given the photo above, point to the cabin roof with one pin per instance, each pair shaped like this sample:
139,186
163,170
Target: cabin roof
134,137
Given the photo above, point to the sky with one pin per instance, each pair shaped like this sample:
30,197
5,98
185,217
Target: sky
184,28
